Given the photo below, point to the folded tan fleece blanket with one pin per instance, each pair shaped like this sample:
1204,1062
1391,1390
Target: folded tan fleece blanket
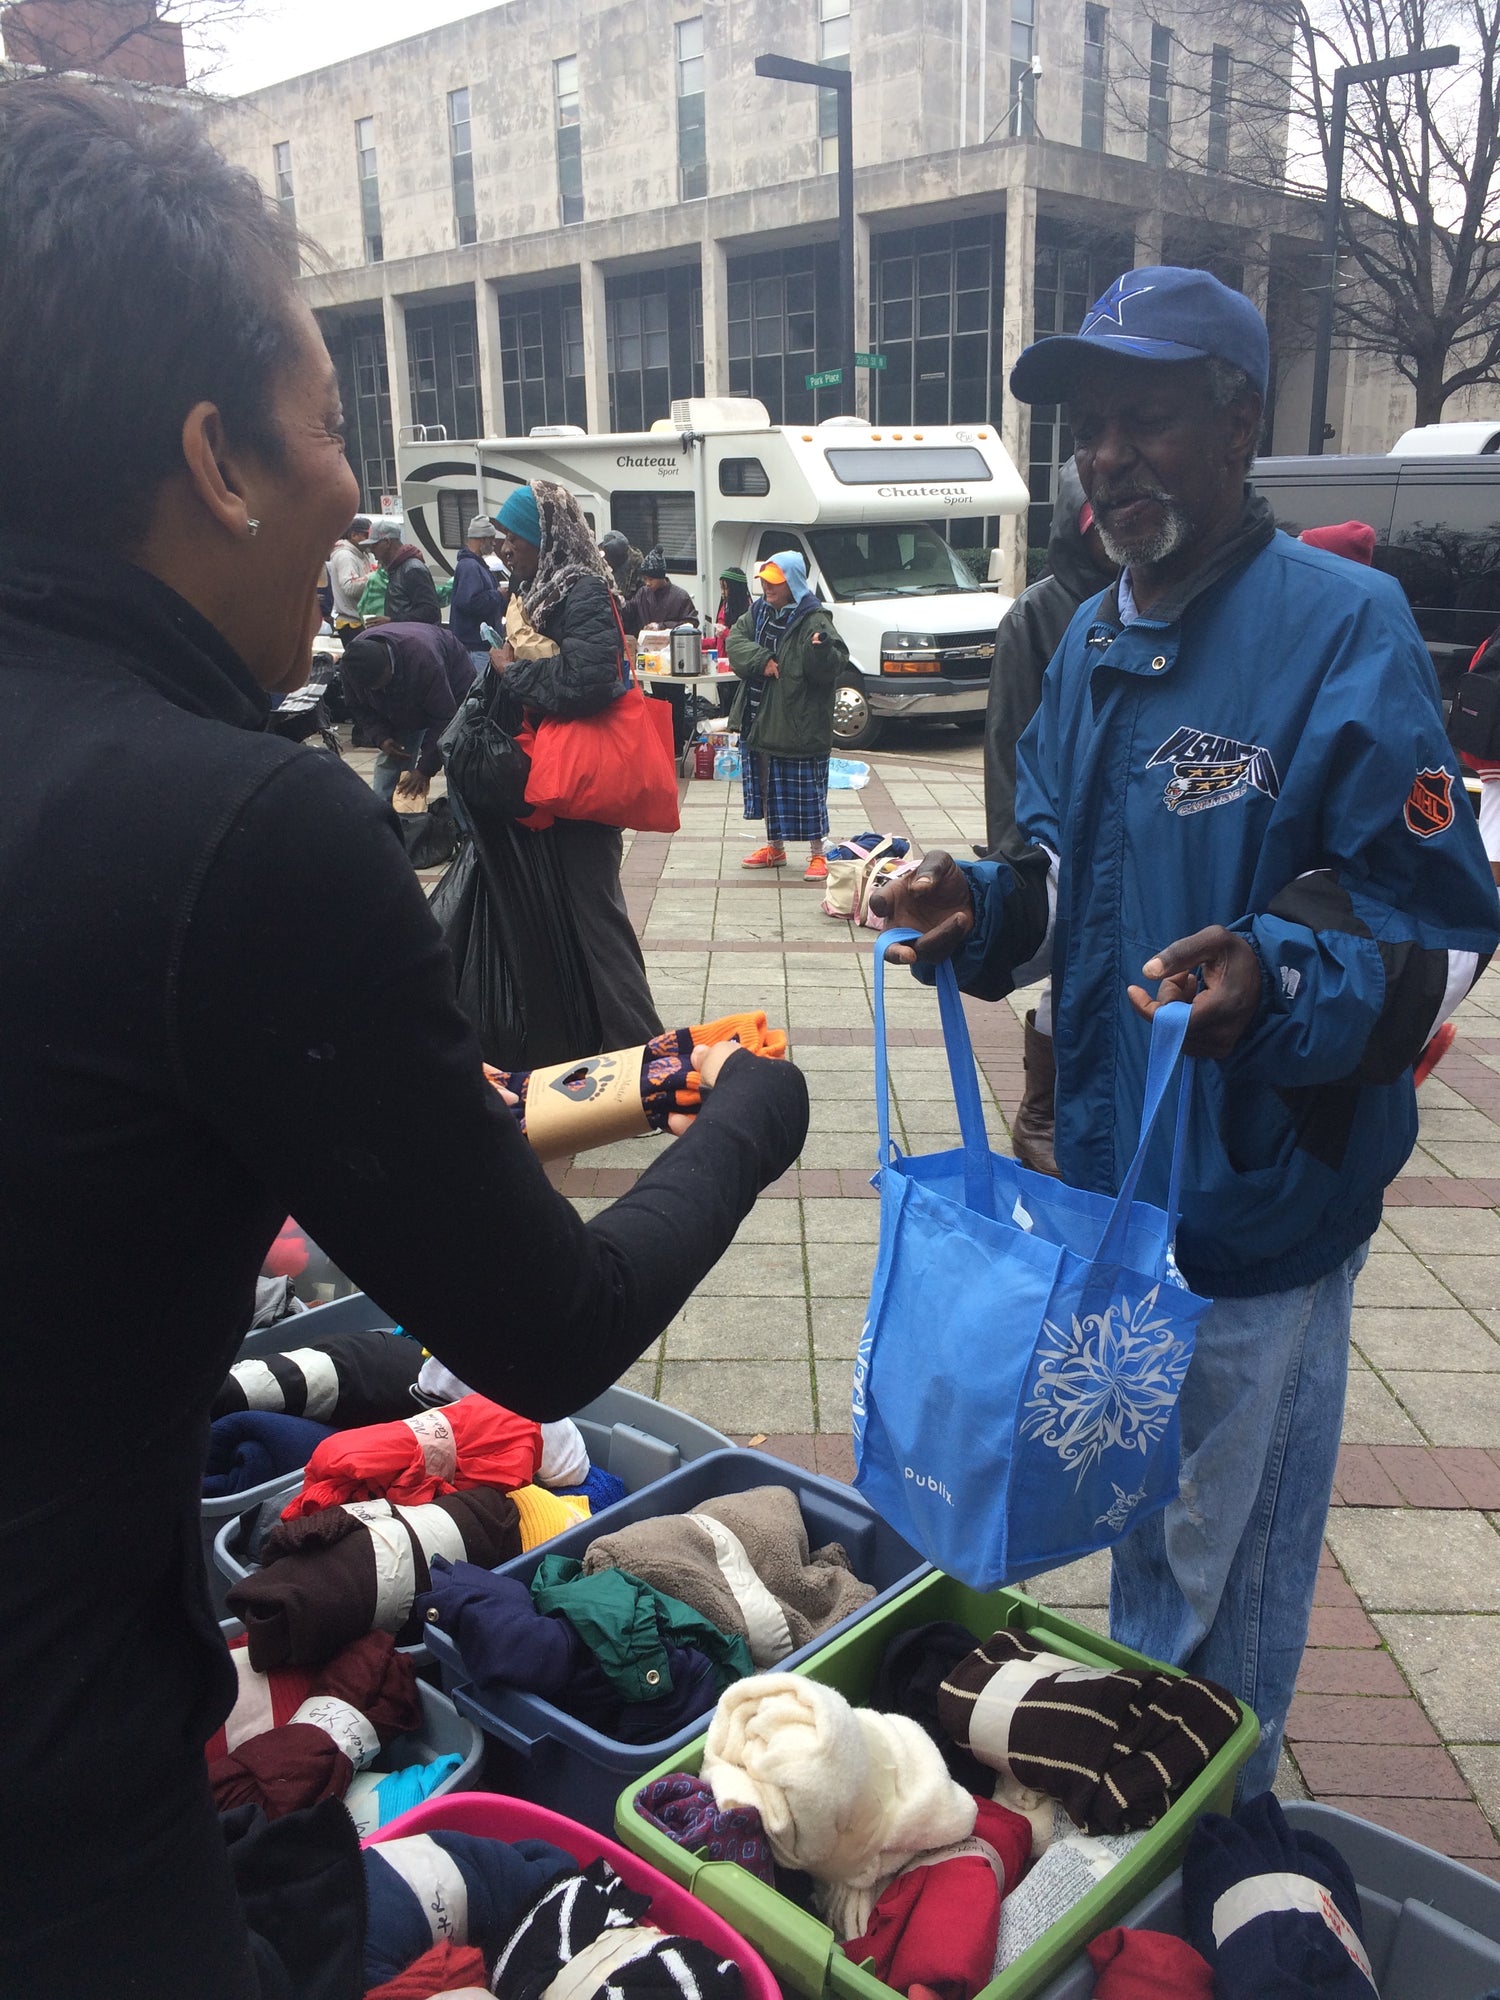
742,1561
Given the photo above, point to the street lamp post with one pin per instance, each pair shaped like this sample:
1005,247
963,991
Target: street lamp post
1415,64
786,69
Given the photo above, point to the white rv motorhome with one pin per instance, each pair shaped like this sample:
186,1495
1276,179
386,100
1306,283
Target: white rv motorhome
720,486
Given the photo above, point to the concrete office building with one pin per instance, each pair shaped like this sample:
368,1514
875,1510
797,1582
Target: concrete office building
573,211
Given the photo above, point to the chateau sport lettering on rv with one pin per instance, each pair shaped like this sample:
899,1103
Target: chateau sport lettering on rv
949,496
632,463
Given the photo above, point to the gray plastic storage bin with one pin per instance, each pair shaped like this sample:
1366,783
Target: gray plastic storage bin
444,1733
1432,1926
566,1765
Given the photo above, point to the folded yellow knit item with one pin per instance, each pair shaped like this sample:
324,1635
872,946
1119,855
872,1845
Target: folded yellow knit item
545,1514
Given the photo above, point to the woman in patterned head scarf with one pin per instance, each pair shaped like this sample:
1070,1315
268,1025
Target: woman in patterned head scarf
565,656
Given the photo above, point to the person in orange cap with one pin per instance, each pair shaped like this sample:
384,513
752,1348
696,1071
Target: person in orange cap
788,657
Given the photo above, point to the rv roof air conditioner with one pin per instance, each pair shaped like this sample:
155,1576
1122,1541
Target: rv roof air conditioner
720,413
557,431
845,423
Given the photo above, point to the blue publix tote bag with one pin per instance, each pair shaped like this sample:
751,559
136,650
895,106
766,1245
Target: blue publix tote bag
1015,1393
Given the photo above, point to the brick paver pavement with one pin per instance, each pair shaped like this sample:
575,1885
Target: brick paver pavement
1397,1715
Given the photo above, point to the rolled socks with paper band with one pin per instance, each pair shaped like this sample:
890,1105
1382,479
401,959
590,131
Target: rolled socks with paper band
624,1093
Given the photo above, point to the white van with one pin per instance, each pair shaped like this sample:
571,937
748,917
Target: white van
722,487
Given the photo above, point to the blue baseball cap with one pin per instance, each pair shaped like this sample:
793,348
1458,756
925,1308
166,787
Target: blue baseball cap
1161,312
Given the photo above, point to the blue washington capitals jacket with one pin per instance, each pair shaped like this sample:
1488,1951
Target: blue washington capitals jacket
1267,751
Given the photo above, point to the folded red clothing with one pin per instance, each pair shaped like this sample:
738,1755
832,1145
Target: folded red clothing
938,1923
263,1701
472,1442
355,1706
447,1968
1148,1965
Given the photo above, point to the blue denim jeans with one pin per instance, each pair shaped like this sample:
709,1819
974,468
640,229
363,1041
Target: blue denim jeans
1221,1582
388,769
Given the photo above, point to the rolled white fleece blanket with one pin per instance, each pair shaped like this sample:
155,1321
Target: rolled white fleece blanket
846,1794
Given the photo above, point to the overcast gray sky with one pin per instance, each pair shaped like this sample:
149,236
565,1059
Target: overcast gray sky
281,38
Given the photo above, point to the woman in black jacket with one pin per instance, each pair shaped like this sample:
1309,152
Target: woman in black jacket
225,1001
565,656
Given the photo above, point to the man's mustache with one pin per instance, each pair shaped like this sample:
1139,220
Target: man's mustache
1105,499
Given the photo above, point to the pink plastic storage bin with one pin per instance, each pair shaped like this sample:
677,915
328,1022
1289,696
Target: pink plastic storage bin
672,1909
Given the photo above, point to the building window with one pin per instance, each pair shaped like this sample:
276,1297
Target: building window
692,113
442,351
1159,98
281,173
541,358
1095,76
369,189
1073,266
784,326
569,139
1221,84
461,157
1022,75
358,350
937,295
833,49
653,331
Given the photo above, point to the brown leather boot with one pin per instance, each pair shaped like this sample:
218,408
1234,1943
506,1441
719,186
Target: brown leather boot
1031,1128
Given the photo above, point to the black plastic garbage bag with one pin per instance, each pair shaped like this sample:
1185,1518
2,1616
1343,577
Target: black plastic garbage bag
431,837
522,978
485,764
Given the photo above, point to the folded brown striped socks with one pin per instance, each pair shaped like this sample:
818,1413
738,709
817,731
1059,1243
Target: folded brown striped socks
1114,1748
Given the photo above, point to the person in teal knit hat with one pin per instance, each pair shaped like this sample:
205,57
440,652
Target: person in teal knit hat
562,592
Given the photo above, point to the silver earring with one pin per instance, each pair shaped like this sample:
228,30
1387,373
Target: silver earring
254,527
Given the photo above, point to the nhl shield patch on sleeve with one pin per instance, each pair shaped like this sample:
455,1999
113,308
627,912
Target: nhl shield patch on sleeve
1429,804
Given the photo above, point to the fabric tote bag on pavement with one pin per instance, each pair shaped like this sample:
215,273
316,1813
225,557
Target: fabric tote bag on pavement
1015,1393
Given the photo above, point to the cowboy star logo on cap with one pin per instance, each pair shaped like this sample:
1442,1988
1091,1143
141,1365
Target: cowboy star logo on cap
1161,313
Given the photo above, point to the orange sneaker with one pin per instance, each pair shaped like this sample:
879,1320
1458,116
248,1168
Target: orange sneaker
817,870
769,856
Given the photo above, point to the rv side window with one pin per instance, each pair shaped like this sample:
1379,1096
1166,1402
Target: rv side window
875,465
457,506
664,520
743,478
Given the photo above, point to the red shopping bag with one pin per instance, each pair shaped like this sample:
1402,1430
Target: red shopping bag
616,767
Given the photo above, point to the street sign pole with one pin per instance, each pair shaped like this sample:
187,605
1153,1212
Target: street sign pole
787,69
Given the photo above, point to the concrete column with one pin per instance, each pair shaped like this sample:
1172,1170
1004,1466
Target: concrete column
396,362
863,326
1150,237
714,271
491,378
1016,331
595,345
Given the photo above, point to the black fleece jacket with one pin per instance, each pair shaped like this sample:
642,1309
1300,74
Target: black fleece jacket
1029,634
225,1001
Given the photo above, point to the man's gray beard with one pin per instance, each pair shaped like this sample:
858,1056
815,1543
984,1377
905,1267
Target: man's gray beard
1175,529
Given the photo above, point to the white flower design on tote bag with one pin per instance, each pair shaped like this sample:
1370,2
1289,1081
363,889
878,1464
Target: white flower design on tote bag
1110,1381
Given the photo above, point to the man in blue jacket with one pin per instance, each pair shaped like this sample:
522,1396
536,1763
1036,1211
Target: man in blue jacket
477,598
1239,791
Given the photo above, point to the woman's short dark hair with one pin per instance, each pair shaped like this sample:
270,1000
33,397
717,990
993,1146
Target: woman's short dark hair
139,274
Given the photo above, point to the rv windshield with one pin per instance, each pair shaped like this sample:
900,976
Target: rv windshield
895,559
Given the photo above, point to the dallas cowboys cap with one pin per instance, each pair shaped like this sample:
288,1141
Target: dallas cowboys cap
1161,312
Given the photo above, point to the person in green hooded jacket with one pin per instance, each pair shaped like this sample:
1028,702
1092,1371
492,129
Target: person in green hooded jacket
788,657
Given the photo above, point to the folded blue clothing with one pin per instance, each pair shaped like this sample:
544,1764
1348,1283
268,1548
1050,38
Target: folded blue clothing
458,1888
374,1799
248,1447
601,1489
505,1642
1274,1910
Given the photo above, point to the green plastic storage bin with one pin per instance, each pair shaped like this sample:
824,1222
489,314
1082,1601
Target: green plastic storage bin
804,1953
